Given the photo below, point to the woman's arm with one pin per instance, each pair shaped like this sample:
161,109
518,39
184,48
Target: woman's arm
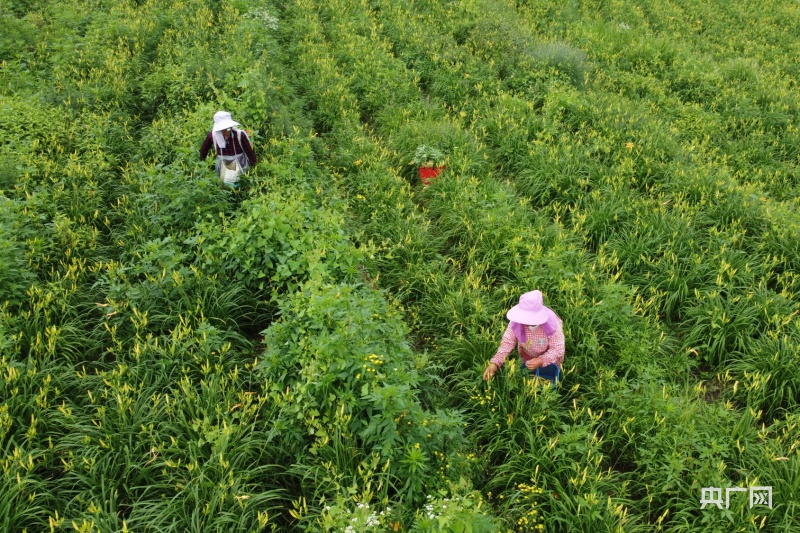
207,144
506,346
248,149
555,348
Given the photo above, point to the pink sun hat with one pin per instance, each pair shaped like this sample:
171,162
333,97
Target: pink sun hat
530,310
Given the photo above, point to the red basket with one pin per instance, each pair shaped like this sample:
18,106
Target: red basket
427,174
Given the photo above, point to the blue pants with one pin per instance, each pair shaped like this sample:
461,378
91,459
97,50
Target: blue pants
551,372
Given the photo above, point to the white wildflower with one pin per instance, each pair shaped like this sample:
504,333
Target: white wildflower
270,21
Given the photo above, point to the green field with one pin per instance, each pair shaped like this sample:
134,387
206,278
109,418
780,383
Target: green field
305,354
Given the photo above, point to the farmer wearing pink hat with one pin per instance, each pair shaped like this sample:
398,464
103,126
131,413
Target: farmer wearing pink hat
538,335
232,146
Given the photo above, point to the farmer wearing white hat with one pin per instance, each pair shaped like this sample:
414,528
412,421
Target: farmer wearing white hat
234,152
538,335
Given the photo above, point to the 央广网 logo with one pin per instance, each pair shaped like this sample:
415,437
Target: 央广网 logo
713,496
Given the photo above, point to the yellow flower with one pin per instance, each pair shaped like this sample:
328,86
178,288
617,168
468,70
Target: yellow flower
629,146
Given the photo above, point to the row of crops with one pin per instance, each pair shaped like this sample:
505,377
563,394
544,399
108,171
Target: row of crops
306,354
146,383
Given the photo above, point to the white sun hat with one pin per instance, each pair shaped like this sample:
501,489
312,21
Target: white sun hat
223,121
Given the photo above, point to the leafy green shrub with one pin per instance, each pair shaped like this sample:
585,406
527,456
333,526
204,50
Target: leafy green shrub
19,33
338,366
428,156
275,244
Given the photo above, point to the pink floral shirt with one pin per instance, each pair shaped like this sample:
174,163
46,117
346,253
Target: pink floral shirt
550,349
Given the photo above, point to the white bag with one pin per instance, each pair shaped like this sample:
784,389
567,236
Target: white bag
230,172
